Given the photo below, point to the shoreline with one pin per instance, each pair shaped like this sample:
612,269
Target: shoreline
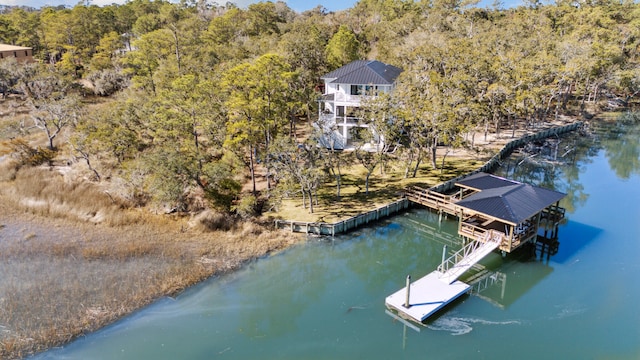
399,205
91,276
207,256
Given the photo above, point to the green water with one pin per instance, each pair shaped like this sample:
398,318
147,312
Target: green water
325,299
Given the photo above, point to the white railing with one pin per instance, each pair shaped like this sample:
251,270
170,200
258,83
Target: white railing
331,118
470,248
347,97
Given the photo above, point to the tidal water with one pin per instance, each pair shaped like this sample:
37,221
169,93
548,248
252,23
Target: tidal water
325,299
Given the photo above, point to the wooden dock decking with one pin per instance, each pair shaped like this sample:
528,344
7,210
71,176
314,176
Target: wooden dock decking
432,199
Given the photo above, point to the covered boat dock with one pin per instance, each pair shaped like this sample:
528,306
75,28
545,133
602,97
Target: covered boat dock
512,210
493,213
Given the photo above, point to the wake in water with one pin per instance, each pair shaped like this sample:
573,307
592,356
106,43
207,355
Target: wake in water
464,325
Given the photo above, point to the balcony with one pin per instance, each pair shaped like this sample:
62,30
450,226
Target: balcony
343,98
329,119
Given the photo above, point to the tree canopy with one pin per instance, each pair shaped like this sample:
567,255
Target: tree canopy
205,97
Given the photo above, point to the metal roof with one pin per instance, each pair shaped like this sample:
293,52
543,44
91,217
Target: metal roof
484,181
363,72
513,202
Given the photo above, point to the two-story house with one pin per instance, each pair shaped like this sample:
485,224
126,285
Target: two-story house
344,90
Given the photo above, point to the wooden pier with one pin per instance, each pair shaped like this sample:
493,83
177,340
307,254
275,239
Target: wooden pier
432,199
511,211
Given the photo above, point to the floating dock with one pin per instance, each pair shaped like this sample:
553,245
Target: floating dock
427,295
434,291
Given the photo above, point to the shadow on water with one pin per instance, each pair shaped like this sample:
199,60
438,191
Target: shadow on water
580,236
502,281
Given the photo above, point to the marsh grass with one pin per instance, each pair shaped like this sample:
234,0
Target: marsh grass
68,267
44,191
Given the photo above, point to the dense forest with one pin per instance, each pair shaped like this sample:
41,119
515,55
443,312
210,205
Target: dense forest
180,105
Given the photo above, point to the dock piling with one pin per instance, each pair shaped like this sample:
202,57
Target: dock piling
406,300
444,254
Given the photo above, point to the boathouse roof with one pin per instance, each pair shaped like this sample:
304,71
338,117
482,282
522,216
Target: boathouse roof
483,181
506,200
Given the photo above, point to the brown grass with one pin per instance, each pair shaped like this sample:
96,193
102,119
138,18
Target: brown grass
62,277
43,190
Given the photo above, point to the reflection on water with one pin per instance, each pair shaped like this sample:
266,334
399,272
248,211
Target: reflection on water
325,299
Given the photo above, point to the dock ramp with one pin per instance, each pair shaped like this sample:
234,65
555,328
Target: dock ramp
457,264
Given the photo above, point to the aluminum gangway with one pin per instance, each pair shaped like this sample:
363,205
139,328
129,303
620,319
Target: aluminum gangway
462,260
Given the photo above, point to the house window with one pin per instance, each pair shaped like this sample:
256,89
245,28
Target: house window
364,90
337,87
340,110
357,90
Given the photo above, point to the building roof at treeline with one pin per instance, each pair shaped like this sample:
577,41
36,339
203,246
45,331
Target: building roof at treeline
363,72
504,199
6,47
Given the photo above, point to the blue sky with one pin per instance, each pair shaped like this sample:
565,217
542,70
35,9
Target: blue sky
298,5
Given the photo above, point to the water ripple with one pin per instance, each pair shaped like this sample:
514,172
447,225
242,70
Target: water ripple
568,310
463,325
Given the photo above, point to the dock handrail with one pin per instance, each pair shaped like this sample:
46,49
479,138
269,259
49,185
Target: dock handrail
432,199
451,261
471,230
